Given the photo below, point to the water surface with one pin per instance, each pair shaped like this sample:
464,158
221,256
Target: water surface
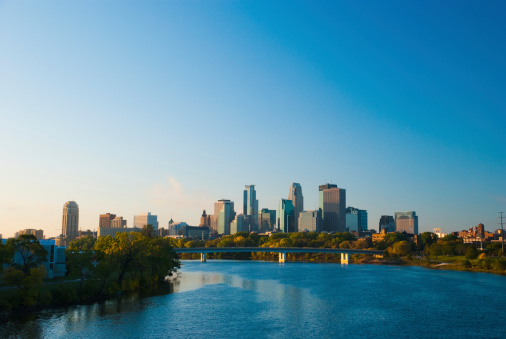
251,299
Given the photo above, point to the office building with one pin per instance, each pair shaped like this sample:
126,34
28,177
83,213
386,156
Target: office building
266,220
387,223
39,234
295,195
224,214
356,219
176,227
70,222
118,222
112,231
333,205
250,206
406,222
205,220
144,219
286,217
240,224
310,221
105,219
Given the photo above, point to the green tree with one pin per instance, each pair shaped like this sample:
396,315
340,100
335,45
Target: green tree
472,253
28,251
81,260
148,231
401,248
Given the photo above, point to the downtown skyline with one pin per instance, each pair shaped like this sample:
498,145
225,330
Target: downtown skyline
167,108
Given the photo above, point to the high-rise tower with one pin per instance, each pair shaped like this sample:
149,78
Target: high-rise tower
333,206
224,214
250,206
70,222
295,195
406,222
286,217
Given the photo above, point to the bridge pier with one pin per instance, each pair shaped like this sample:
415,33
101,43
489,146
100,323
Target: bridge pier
344,258
203,257
282,257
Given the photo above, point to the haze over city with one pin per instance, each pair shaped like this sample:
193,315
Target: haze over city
167,107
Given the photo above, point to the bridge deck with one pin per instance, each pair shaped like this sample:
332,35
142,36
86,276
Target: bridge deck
274,250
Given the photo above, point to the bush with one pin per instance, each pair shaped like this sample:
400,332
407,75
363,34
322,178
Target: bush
466,263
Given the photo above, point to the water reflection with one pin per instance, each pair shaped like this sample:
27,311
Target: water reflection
252,299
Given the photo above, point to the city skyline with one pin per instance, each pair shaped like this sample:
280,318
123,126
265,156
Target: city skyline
129,108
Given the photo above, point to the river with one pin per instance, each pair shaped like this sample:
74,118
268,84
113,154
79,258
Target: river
252,299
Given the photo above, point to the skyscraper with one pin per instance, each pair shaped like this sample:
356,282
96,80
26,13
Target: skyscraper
286,217
406,222
333,206
144,219
310,221
267,220
105,219
224,214
387,223
250,206
70,222
295,195
118,222
356,219
205,220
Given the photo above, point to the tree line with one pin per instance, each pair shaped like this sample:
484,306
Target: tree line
397,247
99,268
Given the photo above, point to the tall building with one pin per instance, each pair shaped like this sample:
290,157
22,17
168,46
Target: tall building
295,195
205,220
105,219
286,221
224,214
144,219
239,224
250,206
333,206
39,234
356,219
118,222
70,222
266,220
310,221
406,222
387,223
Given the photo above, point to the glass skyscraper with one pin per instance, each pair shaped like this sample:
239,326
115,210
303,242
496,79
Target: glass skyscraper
250,206
295,195
286,217
333,206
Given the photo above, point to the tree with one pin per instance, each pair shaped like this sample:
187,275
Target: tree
427,239
148,231
436,249
401,248
28,252
6,255
81,260
124,251
471,253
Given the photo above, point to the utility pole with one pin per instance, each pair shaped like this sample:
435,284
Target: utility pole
502,234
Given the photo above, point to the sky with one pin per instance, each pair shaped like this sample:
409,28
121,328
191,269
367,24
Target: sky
167,106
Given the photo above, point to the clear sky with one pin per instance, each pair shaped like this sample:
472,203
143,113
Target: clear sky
167,106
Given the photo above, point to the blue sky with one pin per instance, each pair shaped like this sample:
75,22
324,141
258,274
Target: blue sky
135,106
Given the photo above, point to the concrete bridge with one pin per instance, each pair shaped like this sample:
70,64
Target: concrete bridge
281,250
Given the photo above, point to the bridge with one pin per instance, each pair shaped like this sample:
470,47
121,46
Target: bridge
281,250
